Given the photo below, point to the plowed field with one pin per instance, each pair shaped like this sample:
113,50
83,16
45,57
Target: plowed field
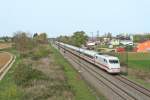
5,45
4,58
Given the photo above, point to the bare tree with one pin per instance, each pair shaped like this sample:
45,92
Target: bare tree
22,41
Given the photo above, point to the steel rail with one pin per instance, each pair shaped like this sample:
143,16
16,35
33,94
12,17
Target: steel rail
134,85
118,93
124,80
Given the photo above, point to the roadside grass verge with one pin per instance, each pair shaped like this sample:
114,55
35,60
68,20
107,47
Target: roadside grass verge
78,86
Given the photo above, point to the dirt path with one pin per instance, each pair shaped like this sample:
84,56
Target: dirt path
4,58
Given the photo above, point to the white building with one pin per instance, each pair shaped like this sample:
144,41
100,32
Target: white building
115,42
91,43
126,42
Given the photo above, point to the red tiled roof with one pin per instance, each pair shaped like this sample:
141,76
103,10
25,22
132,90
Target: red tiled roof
143,47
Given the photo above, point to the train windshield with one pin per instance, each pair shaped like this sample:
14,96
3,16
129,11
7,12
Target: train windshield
113,61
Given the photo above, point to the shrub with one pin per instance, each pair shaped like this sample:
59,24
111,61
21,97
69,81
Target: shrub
24,74
129,48
40,52
25,54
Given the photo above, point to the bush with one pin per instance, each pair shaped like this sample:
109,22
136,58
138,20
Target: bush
129,48
40,52
25,54
24,74
23,42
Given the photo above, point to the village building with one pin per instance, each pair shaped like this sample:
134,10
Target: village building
115,42
126,42
144,47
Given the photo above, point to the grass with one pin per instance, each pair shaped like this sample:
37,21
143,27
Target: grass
140,81
60,82
140,64
79,87
5,45
138,67
135,60
8,88
139,71
138,56
42,51
24,74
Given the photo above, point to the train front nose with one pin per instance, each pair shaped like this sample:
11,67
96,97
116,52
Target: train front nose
115,68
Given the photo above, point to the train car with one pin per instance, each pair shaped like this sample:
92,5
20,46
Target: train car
109,63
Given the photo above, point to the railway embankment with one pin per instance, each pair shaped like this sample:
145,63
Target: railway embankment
136,66
112,87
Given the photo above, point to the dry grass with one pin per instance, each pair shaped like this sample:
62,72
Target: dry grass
5,45
4,58
140,74
140,77
55,87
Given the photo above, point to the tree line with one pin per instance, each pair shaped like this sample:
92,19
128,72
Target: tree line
24,42
78,39
141,37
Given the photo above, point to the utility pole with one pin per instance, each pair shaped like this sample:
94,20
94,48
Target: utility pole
97,35
92,36
127,61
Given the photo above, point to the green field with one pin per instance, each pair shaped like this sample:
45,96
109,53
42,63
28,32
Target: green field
139,60
138,56
135,60
138,66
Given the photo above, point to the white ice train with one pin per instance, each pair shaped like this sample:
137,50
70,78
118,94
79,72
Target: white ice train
109,63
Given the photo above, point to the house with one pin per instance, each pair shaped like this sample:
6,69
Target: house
144,47
126,42
106,40
115,42
91,43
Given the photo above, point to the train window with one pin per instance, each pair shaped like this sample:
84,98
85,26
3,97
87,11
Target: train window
88,55
113,61
105,60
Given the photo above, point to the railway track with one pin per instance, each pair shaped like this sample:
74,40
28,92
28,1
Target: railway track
133,85
105,81
121,86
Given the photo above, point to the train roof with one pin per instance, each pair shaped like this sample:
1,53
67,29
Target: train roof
90,52
106,56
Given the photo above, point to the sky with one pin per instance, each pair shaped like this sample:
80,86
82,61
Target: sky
63,17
